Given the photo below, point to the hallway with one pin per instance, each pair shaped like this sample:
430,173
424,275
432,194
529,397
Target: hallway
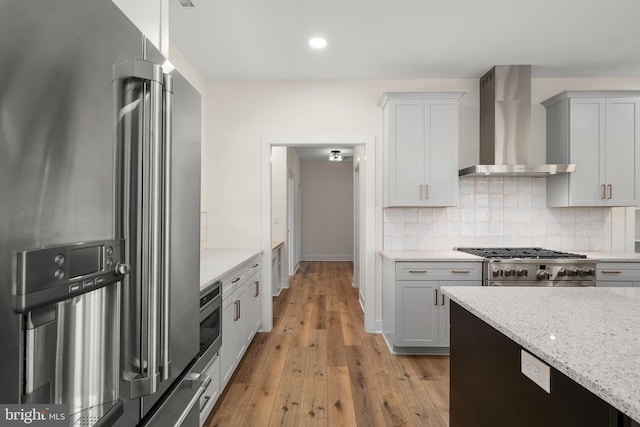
319,368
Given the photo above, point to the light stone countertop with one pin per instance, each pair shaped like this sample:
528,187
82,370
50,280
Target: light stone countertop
443,255
215,263
590,334
454,255
612,256
276,243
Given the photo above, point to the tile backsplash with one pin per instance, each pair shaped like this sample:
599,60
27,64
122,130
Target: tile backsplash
498,212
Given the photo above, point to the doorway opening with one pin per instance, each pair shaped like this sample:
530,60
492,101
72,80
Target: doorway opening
363,249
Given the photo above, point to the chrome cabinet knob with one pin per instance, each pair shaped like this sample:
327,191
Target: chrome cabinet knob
122,269
562,272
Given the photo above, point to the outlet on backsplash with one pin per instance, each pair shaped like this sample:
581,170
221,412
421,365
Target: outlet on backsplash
498,212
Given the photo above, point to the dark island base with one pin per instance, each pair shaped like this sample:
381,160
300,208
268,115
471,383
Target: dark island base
489,389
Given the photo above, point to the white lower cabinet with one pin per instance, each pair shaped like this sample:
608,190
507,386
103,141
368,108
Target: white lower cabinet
241,316
212,392
253,297
618,274
415,312
234,341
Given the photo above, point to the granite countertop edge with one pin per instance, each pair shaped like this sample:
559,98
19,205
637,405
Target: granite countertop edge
216,262
630,408
432,255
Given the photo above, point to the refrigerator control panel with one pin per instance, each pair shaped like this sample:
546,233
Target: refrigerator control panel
55,273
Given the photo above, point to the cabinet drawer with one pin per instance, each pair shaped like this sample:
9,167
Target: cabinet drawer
235,278
438,270
618,272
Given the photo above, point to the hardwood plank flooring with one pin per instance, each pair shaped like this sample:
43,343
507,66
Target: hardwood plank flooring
319,368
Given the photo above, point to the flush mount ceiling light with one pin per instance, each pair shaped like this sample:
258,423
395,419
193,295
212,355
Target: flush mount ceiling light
318,43
335,156
186,3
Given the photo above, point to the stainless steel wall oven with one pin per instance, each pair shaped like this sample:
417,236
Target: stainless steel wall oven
210,320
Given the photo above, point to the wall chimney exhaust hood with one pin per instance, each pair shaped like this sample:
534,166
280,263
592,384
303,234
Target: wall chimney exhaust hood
505,126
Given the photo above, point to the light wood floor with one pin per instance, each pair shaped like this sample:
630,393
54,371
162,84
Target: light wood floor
319,368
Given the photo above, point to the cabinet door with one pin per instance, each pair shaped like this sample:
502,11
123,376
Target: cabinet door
587,136
406,152
254,307
444,312
441,152
621,156
416,314
228,350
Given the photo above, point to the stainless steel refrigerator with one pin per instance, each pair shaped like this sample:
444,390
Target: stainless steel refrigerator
99,218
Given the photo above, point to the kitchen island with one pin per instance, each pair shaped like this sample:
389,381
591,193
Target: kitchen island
586,342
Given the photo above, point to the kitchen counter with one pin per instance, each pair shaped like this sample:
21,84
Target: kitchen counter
592,335
612,256
214,263
443,255
276,243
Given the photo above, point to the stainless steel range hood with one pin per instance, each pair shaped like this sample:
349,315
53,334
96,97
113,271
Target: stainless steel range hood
505,126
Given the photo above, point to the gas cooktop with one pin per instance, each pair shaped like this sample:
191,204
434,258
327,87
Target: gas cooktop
512,253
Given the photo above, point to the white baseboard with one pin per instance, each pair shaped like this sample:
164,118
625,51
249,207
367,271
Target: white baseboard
378,326
348,257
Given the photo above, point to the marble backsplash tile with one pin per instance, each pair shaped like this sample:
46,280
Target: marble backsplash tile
498,212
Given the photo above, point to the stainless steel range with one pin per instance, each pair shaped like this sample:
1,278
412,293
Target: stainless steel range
534,267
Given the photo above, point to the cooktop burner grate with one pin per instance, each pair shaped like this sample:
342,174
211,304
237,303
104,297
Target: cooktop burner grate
509,253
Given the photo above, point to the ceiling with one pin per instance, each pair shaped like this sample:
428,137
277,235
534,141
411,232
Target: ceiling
407,39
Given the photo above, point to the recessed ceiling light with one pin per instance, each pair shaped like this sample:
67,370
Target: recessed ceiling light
318,43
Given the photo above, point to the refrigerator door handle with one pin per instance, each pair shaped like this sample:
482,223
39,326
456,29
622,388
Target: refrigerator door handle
147,251
153,245
166,244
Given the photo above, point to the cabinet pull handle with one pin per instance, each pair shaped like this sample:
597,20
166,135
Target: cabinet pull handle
235,280
417,271
237,316
442,298
204,403
420,192
255,265
604,192
611,272
257,289
460,271
610,187
426,191
436,298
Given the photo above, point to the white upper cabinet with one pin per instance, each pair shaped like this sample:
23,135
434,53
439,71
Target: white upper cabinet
420,143
598,132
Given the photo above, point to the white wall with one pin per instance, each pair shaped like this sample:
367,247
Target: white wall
239,113
292,256
327,211
279,193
